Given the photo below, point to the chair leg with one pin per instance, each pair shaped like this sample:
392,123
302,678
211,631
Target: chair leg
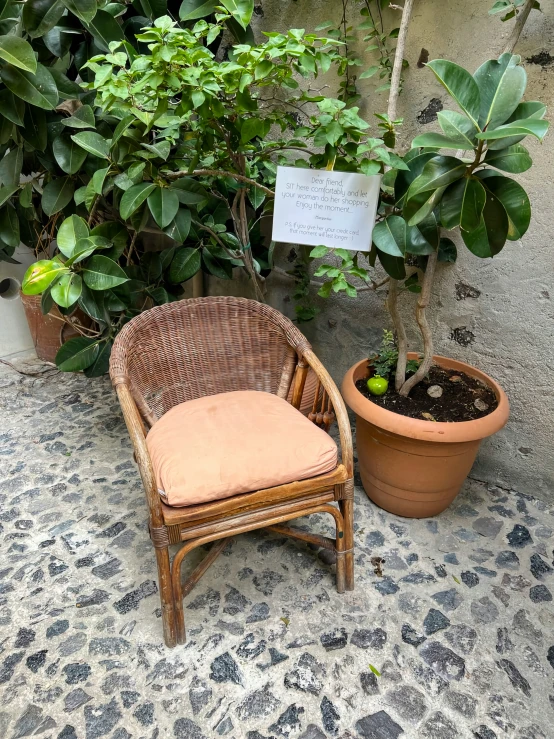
166,597
347,510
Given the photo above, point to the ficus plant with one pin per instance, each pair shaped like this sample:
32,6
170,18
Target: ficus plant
440,191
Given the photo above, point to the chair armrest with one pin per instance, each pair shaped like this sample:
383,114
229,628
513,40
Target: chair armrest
135,428
339,407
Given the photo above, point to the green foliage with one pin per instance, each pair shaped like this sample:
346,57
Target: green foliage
385,360
510,8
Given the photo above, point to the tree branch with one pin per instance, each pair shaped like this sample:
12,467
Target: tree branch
421,318
401,339
521,20
399,58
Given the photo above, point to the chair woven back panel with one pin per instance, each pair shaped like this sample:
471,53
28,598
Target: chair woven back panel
192,348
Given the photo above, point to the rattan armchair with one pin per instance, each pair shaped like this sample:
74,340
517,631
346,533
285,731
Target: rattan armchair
189,349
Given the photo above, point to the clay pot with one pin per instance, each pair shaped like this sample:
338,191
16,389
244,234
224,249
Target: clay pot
48,332
412,467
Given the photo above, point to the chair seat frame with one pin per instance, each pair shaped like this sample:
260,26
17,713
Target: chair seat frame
218,521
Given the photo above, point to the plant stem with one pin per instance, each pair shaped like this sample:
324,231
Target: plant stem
392,299
421,318
521,20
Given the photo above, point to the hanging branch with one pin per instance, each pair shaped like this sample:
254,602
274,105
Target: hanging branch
392,300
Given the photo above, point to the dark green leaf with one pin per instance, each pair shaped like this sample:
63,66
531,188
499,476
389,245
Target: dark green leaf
102,273
85,247
189,191
46,302
439,171
39,16
151,266
18,52
514,159
447,251
251,128
82,118
489,238
134,197
462,204
9,226
514,200
37,89
416,209
527,127
185,265
12,107
69,155
531,109
85,10
429,230
179,229
437,140
390,236
92,303
457,127
40,275
393,266
460,85
10,167
35,131
501,86
6,193
67,289
121,127
77,354
164,204
93,142
405,178
101,363
256,197
67,89
104,29
56,195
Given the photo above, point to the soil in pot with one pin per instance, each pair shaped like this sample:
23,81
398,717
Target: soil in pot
463,398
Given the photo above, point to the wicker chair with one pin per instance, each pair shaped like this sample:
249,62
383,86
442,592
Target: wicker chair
194,348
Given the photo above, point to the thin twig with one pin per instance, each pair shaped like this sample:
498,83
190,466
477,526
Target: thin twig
131,247
219,173
521,20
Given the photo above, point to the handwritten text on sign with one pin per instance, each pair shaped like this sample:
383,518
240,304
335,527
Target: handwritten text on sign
336,209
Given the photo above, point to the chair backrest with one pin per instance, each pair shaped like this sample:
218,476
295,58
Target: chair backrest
203,346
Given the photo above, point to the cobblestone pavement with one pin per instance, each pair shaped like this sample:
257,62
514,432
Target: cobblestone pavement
455,639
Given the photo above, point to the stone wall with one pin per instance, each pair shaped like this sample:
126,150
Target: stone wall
497,315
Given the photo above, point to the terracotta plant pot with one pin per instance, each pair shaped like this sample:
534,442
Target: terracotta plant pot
411,467
48,332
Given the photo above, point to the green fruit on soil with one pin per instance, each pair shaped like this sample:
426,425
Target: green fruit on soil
377,385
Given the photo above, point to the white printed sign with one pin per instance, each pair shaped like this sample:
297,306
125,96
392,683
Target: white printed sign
335,209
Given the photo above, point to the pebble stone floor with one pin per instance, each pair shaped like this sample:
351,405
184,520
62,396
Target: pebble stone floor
455,639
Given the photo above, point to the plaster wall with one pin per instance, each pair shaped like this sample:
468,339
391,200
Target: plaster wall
496,314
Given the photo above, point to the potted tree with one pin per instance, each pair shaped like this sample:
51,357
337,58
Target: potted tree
418,436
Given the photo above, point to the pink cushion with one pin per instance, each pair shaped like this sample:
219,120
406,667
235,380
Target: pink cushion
222,445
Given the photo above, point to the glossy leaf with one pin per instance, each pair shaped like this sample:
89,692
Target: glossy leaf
101,364
192,10
40,275
393,266
514,159
69,155
12,107
9,226
164,204
85,10
490,236
93,142
189,191
447,251
179,228
10,167
92,303
37,89
39,16
102,273
526,127
85,247
501,85
439,171
56,195
105,29
462,204
82,118
134,197
460,85
67,289
185,265
430,231
404,178
532,109
389,236
18,52
69,233
417,208
77,354
216,265
6,193
514,200
457,127
437,140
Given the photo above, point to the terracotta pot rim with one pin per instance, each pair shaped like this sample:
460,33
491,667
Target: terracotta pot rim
414,428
